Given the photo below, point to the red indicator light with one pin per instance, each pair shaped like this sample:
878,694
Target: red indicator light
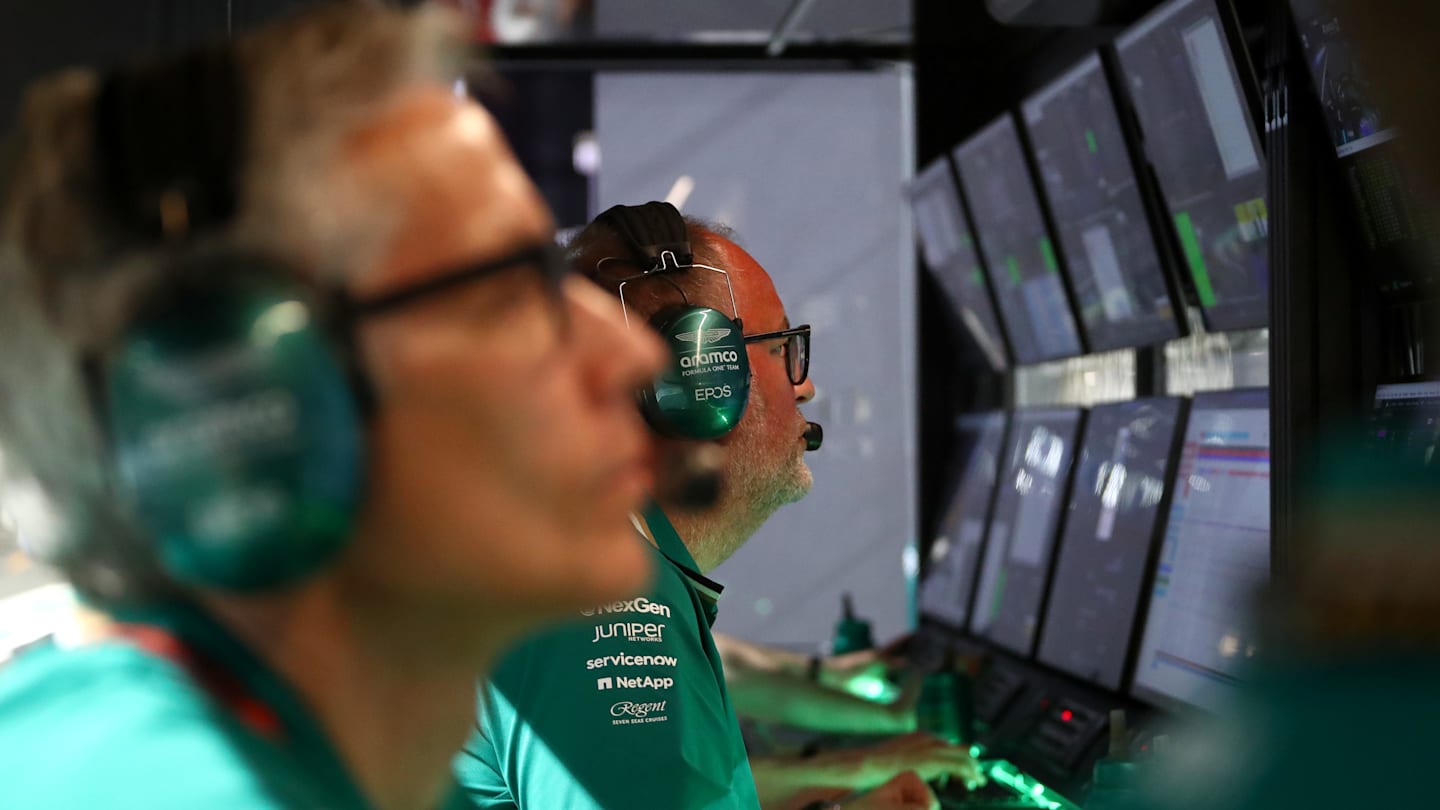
1067,716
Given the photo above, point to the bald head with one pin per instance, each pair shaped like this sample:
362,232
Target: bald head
601,255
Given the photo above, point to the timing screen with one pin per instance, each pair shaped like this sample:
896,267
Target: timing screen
1199,137
1100,218
1019,256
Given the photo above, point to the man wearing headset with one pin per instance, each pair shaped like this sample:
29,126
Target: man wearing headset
240,288
628,706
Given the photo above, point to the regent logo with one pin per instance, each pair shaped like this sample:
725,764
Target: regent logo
630,631
623,660
704,336
632,709
641,605
708,359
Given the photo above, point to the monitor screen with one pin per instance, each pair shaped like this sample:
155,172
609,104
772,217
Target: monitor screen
1021,541
1405,424
1121,476
955,553
950,256
1215,555
1015,246
1393,219
1100,219
1185,84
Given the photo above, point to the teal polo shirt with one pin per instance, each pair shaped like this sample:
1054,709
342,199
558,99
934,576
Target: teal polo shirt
625,709
175,715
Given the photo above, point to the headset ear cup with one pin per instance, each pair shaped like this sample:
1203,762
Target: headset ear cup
703,392
234,429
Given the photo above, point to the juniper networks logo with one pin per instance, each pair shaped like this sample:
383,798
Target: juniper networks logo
630,631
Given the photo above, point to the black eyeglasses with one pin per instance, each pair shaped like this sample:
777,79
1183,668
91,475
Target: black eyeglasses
797,350
545,258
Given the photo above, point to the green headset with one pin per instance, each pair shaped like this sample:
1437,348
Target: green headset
703,391
231,408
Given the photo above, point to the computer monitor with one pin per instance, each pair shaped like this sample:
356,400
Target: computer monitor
1199,631
954,555
1405,425
1122,478
1400,233
1188,86
1020,260
950,256
1029,501
1085,165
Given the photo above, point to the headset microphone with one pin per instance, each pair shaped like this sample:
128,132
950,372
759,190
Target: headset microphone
814,436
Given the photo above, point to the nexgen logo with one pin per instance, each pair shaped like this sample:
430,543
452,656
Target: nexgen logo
641,605
630,631
623,660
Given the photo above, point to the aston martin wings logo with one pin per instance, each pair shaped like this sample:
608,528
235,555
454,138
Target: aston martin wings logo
706,336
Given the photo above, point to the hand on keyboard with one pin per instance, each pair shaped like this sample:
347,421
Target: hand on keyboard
905,792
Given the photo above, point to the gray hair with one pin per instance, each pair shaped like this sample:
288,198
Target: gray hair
70,278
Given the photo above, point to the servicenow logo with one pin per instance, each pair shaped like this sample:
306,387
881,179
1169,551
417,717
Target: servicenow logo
623,660
630,631
641,605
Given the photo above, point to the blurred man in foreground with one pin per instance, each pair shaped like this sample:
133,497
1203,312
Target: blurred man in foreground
307,407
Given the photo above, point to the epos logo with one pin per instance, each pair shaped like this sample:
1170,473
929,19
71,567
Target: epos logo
630,631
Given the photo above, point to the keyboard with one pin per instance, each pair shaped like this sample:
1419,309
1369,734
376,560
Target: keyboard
992,795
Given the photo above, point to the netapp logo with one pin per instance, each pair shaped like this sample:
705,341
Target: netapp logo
632,709
632,661
708,359
630,631
706,336
621,682
641,605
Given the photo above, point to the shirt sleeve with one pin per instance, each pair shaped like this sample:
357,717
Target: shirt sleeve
477,767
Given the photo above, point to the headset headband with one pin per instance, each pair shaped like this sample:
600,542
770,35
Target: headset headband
651,231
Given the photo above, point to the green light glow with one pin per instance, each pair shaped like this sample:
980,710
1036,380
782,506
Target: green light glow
1012,777
871,687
